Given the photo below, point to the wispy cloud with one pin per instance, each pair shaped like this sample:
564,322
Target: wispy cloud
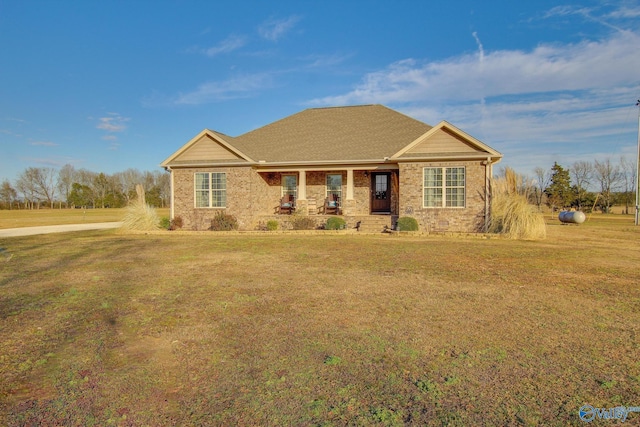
43,144
550,97
322,61
113,122
547,68
243,86
54,161
13,119
275,29
231,43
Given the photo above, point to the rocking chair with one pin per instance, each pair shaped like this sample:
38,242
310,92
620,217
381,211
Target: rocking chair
332,205
287,204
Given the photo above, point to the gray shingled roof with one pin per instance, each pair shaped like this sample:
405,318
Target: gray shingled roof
364,132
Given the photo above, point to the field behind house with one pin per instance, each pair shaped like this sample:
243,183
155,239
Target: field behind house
36,217
102,328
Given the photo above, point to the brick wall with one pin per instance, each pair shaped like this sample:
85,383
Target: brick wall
241,186
252,195
467,219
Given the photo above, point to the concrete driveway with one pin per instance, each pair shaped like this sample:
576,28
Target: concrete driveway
46,229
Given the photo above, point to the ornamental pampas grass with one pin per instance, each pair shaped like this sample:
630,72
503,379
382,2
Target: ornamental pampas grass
139,216
511,213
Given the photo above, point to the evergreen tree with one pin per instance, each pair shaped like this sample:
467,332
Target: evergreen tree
559,193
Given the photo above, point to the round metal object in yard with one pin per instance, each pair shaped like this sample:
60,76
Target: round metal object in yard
572,217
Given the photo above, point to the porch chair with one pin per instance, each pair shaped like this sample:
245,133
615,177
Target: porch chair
287,204
332,205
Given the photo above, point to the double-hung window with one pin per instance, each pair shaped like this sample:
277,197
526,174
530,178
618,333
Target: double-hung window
290,186
334,185
444,187
211,189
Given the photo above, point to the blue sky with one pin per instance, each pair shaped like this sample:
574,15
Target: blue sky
111,85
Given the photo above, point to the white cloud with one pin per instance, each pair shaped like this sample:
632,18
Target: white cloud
552,100
238,87
546,68
322,61
231,43
275,29
114,122
43,144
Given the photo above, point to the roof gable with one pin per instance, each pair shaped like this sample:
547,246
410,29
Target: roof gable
445,140
207,146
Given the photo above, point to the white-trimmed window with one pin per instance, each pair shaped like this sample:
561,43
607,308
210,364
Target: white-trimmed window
444,187
210,189
290,186
334,185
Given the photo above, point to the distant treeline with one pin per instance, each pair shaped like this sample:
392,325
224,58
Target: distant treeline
584,185
69,187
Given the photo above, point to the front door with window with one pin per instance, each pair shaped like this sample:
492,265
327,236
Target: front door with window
381,192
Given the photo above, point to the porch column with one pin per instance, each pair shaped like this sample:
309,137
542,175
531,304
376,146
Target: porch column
349,203
302,203
350,184
302,185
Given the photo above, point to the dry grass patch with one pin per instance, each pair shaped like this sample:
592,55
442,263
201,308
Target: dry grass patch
36,217
101,328
511,214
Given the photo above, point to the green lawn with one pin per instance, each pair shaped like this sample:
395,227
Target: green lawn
103,328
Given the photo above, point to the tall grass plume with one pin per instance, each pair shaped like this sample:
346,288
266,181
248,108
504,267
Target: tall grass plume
511,213
139,215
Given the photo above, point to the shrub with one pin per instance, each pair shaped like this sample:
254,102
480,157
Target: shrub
223,222
272,225
301,222
335,223
407,223
165,223
176,223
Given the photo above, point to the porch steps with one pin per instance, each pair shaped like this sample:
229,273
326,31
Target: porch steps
373,223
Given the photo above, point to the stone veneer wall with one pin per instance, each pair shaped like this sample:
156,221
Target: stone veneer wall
467,219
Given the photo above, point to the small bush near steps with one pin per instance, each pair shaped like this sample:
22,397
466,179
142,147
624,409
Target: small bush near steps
407,223
335,223
272,225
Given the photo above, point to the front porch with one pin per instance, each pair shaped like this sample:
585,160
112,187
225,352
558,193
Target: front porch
363,191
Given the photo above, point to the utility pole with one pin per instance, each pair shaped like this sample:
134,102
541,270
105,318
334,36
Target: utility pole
638,170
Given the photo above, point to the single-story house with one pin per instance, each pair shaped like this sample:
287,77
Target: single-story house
373,162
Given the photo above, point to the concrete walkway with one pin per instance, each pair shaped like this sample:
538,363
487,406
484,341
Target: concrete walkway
46,229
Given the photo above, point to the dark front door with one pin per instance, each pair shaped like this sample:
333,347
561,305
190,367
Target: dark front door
381,192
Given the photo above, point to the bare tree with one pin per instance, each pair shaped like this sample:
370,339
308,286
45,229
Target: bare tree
543,179
581,174
628,179
7,193
100,188
37,184
608,176
66,178
45,182
128,180
25,186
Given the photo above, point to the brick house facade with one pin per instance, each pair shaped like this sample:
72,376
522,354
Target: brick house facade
375,161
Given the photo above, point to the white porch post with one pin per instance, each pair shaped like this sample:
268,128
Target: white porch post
350,184
302,185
